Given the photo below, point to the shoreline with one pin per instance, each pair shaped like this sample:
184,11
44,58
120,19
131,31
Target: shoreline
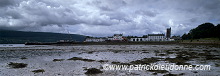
126,43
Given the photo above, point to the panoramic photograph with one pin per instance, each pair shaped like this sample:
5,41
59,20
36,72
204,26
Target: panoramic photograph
109,37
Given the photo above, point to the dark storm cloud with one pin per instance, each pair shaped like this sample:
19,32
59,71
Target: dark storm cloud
4,3
92,17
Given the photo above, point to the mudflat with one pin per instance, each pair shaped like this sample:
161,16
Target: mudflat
44,60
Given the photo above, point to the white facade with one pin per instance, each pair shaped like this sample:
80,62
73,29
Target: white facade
117,37
110,38
139,39
151,37
156,37
95,39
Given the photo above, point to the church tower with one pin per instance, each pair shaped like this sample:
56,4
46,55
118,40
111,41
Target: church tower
168,35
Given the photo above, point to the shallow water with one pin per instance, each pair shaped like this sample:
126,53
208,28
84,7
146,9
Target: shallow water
41,57
12,45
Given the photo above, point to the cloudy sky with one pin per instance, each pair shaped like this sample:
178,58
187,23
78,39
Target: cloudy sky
107,17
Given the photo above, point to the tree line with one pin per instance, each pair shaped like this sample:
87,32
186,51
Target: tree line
205,30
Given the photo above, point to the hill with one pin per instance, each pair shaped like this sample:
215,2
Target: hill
15,37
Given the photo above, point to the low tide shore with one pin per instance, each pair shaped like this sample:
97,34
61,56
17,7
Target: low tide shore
50,60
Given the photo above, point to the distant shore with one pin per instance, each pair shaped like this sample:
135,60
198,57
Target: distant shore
126,43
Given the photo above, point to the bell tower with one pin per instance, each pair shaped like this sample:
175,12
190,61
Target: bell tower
168,35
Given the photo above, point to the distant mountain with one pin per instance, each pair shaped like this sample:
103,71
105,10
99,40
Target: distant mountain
13,37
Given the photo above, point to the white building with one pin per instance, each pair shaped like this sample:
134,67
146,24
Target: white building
151,37
95,39
139,39
118,37
110,38
156,37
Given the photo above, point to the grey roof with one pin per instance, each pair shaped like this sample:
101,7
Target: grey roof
156,34
117,34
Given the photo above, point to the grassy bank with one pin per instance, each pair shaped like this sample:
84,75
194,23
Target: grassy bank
202,41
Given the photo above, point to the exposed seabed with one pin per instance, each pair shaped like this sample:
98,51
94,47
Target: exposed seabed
76,60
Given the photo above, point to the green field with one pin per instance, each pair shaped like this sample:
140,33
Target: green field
206,40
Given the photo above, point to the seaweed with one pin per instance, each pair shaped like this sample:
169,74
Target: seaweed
114,62
101,61
58,60
17,65
93,71
170,74
162,54
90,52
79,58
23,58
38,71
212,57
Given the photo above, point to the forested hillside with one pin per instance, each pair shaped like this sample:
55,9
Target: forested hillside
206,30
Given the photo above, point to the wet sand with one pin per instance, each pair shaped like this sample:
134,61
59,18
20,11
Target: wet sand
56,60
